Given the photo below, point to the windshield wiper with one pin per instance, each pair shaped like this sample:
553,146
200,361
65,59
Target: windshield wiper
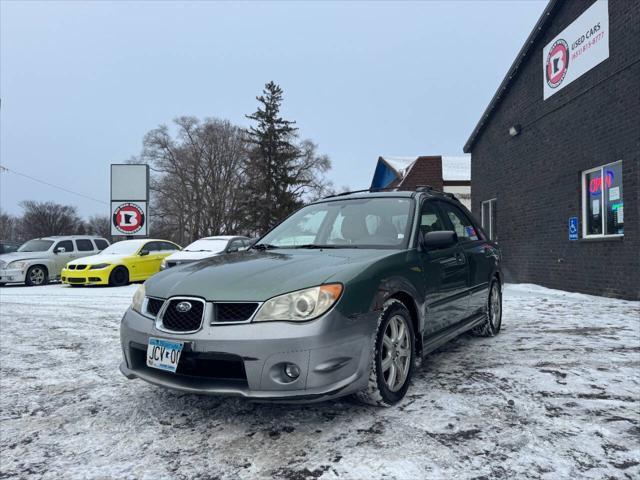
312,245
264,246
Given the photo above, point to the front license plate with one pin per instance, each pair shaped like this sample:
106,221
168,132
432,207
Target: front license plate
164,354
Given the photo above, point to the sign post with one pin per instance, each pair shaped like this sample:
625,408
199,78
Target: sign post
129,200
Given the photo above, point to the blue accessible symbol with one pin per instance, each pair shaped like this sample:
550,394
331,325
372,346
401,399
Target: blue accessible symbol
573,228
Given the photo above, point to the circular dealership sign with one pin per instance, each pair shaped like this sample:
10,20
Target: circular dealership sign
557,63
128,218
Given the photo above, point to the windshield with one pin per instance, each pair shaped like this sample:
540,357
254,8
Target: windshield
122,248
364,223
204,245
36,246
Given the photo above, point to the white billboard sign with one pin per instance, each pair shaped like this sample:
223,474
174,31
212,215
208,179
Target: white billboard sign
129,218
129,182
577,49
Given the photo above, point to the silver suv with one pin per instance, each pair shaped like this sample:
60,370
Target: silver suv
41,259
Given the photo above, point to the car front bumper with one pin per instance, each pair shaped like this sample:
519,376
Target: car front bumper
9,275
333,353
85,277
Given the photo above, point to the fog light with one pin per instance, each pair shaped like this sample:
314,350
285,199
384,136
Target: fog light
292,370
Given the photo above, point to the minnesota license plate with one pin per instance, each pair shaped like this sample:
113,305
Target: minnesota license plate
164,354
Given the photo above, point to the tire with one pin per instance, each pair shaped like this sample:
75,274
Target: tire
386,388
119,277
36,276
493,323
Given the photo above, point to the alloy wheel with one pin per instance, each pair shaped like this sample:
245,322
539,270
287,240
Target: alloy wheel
396,353
495,307
36,276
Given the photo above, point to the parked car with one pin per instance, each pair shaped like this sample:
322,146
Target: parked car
121,263
40,260
206,247
8,247
340,298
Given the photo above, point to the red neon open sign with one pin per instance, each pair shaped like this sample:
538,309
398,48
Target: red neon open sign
595,185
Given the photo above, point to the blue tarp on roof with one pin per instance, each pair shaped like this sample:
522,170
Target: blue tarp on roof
383,175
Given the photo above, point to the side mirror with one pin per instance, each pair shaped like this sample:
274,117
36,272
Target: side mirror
144,253
60,250
233,249
436,240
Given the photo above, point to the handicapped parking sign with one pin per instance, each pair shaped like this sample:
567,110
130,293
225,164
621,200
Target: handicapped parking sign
573,228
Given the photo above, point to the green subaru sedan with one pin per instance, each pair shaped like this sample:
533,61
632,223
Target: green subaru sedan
343,297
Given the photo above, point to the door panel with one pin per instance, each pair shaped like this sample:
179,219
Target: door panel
445,274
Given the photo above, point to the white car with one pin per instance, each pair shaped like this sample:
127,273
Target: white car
40,260
206,247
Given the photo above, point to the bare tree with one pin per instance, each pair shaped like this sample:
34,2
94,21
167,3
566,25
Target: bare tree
197,178
8,227
41,219
99,225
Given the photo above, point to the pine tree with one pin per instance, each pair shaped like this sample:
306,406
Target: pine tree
271,164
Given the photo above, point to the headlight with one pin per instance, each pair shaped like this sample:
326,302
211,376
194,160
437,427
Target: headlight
163,264
301,305
138,299
19,265
98,266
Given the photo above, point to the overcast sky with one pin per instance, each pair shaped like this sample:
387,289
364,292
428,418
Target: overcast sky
81,83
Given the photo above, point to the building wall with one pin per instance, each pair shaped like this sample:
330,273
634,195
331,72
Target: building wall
536,176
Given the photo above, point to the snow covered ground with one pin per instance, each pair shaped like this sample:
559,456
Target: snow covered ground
555,395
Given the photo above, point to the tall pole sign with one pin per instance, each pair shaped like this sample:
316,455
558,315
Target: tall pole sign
129,199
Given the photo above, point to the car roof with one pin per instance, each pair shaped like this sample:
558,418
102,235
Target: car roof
69,237
353,195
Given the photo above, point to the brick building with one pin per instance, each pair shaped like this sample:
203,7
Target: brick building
450,174
555,156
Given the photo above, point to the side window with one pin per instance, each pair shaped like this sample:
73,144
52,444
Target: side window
66,244
236,244
151,247
430,220
101,244
461,223
84,245
167,247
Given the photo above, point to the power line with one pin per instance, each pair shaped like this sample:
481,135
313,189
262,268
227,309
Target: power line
5,169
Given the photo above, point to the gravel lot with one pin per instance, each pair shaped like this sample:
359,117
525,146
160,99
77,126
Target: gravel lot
555,395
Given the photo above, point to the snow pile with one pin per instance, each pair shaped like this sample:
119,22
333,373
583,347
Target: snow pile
555,395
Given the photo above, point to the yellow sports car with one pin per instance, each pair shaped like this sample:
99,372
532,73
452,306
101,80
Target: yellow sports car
120,263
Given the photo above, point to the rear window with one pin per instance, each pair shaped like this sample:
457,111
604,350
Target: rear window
84,245
101,244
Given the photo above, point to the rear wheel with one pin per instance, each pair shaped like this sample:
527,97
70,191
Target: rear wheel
36,275
393,357
119,277
491,327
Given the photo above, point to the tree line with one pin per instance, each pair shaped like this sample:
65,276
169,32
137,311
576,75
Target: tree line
208,177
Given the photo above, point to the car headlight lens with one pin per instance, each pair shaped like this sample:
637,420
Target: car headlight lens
19,265
163,264
98,266
301,305
138,299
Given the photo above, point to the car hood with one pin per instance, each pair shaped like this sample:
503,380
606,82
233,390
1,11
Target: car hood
181,256
96,259
13,256
257,275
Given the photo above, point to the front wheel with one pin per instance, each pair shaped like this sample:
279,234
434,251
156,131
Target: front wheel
393,357
36,276
491,327
119,277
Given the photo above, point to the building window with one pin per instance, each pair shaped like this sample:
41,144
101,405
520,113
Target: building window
602,205
489,218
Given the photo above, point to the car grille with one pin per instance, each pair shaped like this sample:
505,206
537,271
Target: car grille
154,305
234,312
71,267
80,267
75,280
177,321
